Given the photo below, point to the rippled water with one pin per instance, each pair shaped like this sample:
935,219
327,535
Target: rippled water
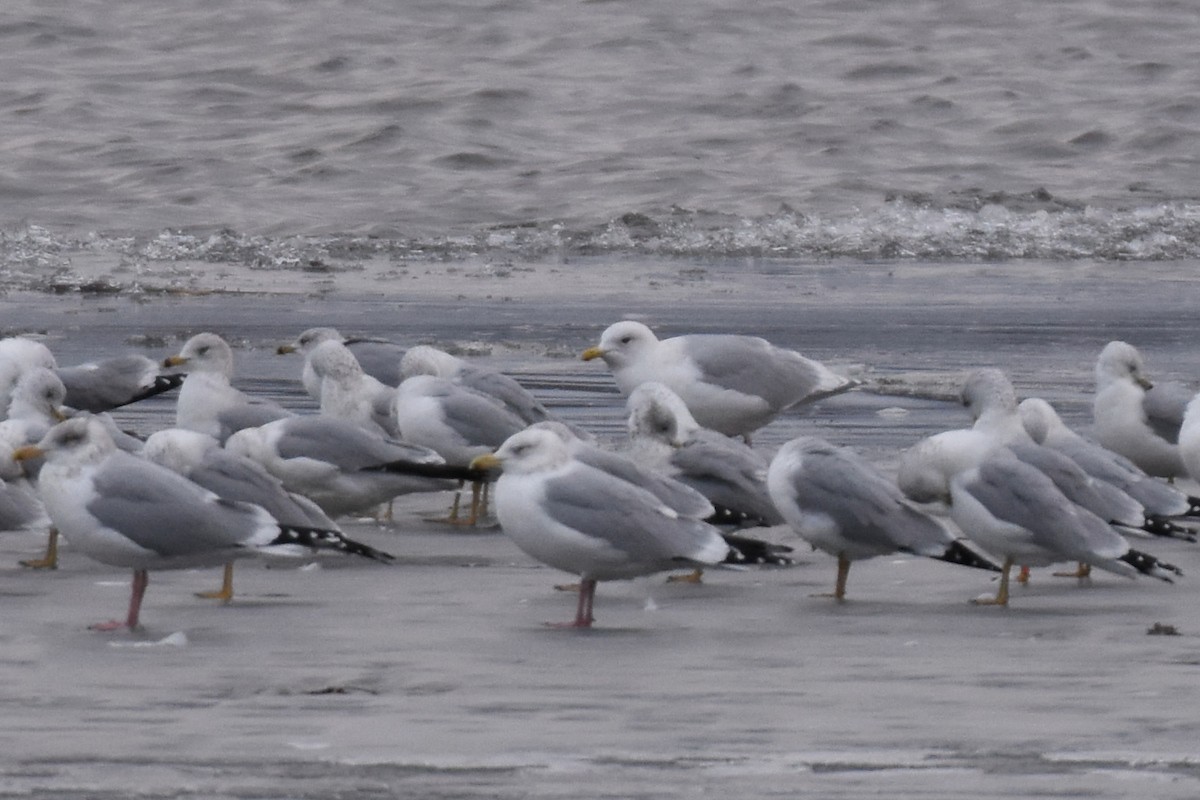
936,129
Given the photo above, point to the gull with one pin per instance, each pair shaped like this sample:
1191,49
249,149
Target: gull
349,393
20,507
456,422
665,435
582,520
19,355
1014,511
503,389
1136,418
208,403
341,467
231,476
112,383
379,358
1160,500
926,468
675,494
732,384
839,502
125,511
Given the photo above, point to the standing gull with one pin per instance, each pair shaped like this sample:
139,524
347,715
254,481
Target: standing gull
379,358
1160,500
504,390
732,384
111,383
838,502
456,422
1136,418
1014,511
19,355
664,434
585,521
349,393
201,459
341,467
208,403
125,511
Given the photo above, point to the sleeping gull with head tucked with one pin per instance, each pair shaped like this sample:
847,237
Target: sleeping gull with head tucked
1137,418
341,467
1012,510
349,393
125,511
582,520
838,502
732,384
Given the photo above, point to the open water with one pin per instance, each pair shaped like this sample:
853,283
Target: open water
933,129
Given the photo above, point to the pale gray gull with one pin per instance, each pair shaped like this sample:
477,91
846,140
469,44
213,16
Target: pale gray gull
341,467
582,520
1136,418
840,503
1014,511
379,358
208,402
231,476
125,511
1160,500
732,384
349,393
503,389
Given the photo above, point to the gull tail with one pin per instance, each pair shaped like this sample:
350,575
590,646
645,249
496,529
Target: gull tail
958,553
1149,565
1161,526
318,539
747,550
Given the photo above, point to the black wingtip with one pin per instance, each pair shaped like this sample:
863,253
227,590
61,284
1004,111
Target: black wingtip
959,553
1150,565
730,518
747,550
425,470
321,539
1161,526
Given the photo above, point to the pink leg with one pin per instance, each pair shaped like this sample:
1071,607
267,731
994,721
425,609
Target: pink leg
583,612
140,580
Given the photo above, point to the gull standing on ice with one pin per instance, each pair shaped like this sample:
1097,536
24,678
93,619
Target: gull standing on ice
1136,418
732,384
838,502
341,467
125,511
349,393
231,476
585,521
208,403
379,358
1012,510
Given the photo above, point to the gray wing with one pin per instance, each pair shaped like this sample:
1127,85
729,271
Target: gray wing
1165,405
477,419
234,477
506,390
1015,492
251,414
165,512
729,474
626,517
1156,497
345,445
379,359
753,366
866,506
686,501
114,382
1102,499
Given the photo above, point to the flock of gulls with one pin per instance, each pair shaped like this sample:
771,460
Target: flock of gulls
240,476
